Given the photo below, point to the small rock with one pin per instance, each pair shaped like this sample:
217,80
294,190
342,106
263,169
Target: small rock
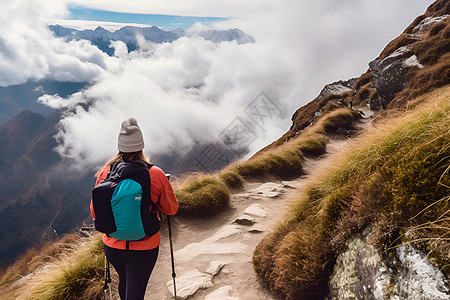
215,267
245,220
256,229
268,190
188,284
290,184
87,230
223,293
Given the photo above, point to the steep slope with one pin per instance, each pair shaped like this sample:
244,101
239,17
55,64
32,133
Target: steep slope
414,63
389,191
38,198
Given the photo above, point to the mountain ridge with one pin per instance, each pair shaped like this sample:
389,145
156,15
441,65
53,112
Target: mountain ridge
102,38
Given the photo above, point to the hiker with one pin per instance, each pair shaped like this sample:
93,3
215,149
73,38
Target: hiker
134,260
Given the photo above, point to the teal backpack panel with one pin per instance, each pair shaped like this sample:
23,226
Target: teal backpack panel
126,206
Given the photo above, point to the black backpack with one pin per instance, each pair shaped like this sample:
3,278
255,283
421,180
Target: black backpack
122,202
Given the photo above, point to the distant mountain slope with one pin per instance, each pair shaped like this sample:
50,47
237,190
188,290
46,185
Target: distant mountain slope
40,195
16,98
102,38
37,196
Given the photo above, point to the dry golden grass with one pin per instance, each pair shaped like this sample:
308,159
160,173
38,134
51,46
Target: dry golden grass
287,160
35,258
402,40
432,53
75,273
388,178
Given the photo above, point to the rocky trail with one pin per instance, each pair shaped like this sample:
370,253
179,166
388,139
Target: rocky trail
213,257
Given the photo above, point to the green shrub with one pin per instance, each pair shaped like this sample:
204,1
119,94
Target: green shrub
202,196
338,120
282,164
232,179
313,145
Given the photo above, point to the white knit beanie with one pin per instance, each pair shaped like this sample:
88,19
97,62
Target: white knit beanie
130,137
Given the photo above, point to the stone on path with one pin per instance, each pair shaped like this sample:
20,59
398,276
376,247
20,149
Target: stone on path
216,245
189,283
215,267
223,293
249,215
257,229
268,190
245,220
290,184
256,210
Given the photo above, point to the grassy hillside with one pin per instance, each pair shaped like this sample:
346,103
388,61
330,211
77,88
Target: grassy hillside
394,178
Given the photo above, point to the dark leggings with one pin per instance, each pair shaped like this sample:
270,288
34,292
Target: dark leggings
134,268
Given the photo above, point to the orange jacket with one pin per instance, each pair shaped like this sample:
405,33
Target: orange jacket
164,197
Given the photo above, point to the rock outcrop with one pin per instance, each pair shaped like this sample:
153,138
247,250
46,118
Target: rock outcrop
362,273
391,74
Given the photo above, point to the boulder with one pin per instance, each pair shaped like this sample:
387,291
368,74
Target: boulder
389,76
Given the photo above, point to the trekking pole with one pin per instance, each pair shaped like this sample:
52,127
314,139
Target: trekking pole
171,252
106,288
171,256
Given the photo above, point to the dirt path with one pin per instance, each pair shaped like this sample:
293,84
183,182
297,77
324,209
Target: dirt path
213,257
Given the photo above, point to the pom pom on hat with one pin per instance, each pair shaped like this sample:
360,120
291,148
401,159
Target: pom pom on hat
130,137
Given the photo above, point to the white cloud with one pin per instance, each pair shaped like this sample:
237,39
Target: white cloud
191,89
29,51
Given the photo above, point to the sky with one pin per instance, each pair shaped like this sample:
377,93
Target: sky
189,91
89,18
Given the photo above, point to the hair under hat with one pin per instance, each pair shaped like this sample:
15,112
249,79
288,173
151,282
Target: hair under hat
130,137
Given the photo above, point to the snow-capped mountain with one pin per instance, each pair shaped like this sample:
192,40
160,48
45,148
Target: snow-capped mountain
128,34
